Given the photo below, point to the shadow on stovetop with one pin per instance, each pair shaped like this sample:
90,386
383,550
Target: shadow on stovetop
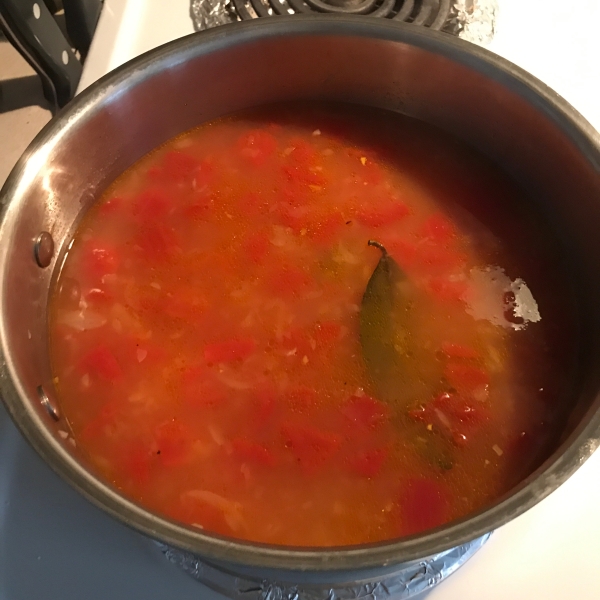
55,545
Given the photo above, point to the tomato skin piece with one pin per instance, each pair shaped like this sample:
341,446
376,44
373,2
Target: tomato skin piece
257,146
311,447
248,451
368,463
101,363
423,505
173,440
157,242
229,350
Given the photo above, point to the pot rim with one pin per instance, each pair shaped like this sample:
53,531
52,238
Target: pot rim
565,460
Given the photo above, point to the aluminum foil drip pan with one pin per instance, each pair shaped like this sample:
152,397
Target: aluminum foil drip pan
408,580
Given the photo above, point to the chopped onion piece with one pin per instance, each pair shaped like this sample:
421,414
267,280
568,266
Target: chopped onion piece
232,511
497,450
82,320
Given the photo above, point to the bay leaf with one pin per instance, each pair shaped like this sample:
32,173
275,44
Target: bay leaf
384,337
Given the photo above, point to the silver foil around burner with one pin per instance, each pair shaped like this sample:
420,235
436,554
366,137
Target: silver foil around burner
211,13
408,580
471,20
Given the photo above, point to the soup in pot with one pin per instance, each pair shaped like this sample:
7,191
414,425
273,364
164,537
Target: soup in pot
313,325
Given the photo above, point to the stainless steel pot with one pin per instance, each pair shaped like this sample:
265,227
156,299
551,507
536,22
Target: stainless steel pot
493,105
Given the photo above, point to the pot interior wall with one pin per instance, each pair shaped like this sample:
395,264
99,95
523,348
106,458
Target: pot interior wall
115,124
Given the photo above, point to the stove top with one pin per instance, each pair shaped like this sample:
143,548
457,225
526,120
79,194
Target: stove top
471,19
54,544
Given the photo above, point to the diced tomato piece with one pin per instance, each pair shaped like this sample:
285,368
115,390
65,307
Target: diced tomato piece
368,463
465,377
100,258
423,505
111,206
151,204
438,228
384,212
100,362
458,350
135,462
173,440
158,243
326,333
446,290
366,411
200,208
257,146
290,281
311,447
256,246
248,451
229,350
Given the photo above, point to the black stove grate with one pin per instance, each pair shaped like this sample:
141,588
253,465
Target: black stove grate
429,13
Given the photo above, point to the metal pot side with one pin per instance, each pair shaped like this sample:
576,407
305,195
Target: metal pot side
493,105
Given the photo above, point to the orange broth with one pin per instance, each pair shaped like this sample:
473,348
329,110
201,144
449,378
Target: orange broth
204,329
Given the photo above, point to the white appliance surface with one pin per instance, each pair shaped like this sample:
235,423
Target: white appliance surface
55,545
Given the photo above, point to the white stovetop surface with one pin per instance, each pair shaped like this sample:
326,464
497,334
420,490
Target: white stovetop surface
54,545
